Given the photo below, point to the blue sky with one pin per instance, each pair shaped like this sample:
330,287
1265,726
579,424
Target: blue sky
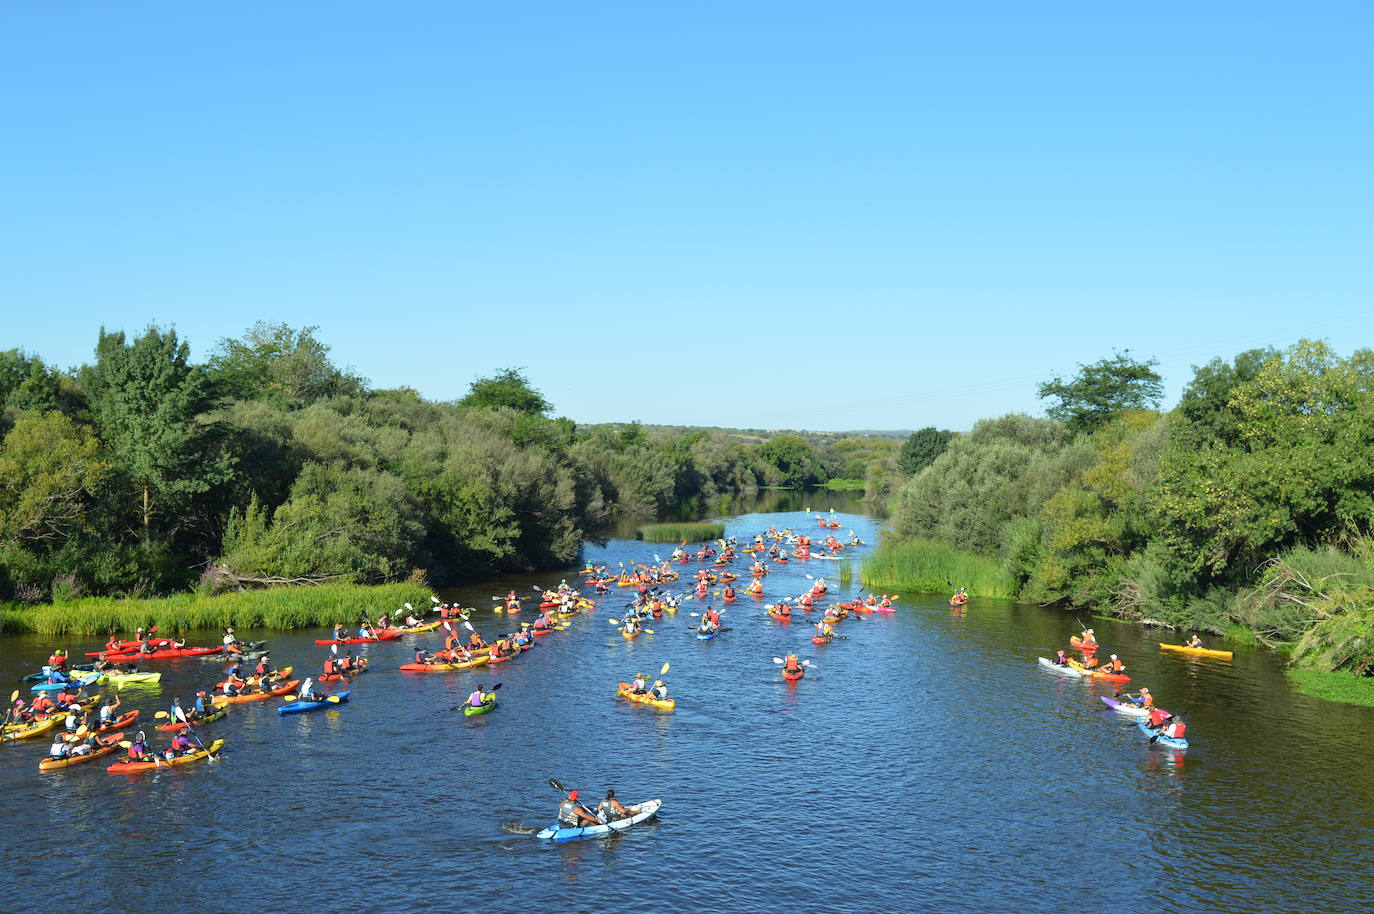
825,216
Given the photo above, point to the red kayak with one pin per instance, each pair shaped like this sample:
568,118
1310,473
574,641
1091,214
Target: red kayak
1080,644
817,639
169,653
386,634
793,676
119,723
781,617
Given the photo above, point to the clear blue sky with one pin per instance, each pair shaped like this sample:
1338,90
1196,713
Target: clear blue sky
827,216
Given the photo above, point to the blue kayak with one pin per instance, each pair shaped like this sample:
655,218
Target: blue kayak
705,636
297,706
1163,740
560,833
59,686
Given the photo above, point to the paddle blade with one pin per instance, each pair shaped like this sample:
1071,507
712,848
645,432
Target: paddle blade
777,660
333,699
125,744
665,669
162,715
288,698
434,599
496,686
408,606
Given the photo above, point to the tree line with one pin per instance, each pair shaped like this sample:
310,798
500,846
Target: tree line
145,472
1248,506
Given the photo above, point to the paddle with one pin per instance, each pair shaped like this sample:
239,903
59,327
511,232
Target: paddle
565,791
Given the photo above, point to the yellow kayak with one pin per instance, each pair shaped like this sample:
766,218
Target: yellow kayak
29,731
629,635
422,627
1200,651
624,692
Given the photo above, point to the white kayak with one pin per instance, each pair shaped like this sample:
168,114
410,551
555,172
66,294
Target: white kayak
639,813
1125,707
1061,670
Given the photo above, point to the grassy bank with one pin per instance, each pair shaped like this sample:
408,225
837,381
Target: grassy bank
1341,687
676,533
845,485
281,607
934,568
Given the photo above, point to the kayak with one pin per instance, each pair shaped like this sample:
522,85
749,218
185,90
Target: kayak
730,599
1125,707
257,696
444,667
483,708
127,678
1061,670
345,674
630,635
121,722
389,634
705,636
1075,641
817,639
781,617
207,719
77,684
126,647
1098,674
422,627
169,653
645,699
1200,651
53,764
1162,740
139,767
28,731
560,833
793,675
298,706
280,675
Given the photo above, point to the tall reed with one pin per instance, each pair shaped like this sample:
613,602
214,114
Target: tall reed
934,567
279,607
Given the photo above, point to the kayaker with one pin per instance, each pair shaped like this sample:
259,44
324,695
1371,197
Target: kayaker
610,809
41,705
640,684
1175,728
58,749
477,698
229,640
792,664
660,690
384,621
109,711
363,632
1157,718
1114,665
347,663
113,645
1089,637
1194,641
339,632
234,684
307,692
138,749
1061,659
475,642
263,669
631,625
175,713
330,665
200,704
574,814
423,656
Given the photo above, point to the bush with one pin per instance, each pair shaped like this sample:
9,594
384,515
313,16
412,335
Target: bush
676,533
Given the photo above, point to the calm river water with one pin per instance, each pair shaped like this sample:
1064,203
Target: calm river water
929,766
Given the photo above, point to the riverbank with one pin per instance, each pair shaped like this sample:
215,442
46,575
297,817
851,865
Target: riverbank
278,608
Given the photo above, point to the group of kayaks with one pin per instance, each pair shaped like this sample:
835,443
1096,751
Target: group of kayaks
1160,726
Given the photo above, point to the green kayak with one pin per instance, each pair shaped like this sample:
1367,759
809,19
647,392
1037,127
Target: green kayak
483,708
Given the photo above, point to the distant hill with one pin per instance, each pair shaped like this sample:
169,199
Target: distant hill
757,435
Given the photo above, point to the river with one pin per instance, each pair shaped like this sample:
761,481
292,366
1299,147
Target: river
929,765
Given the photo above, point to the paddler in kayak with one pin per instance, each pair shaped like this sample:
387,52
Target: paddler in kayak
1061,659
792,664
631,625
573,814
308,693
138,749
422,656
610,809
175,713
640,685
109,711
1194,641
1114,665
477,698
824,630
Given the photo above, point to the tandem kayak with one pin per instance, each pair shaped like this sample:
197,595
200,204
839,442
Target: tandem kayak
1080,644
257,696
297,706
560,833
664,705
54,764
389,634
483,708
166,653
1098,674
1162,740
480,660
207,719
139,767
27,731
127,678
1199,651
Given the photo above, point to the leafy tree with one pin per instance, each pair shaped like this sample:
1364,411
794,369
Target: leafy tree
921,449
1103,390
507,388
147,396
50,471
274,362
793,459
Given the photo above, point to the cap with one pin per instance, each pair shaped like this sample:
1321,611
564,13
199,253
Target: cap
1113,656
572,795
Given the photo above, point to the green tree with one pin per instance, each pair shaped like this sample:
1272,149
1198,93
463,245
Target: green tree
921,449
50,471
508,388
794,460
1102,391
147,396
291,368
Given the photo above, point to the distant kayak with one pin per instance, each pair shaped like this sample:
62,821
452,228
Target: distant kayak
639,813
296,707
1199,651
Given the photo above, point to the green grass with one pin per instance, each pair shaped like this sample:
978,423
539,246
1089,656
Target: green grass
279,607
1345,688
675,533
846,572
855,485
935,568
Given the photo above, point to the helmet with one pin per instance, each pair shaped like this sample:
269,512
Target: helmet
1113,656
572,795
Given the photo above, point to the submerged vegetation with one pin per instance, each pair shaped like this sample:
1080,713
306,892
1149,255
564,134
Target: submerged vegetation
681,533
1248,507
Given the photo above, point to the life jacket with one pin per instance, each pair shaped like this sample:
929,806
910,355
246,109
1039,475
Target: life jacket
1178,728
792,664
567,813
1156,717
420,655
476,699
329,666
1116,666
